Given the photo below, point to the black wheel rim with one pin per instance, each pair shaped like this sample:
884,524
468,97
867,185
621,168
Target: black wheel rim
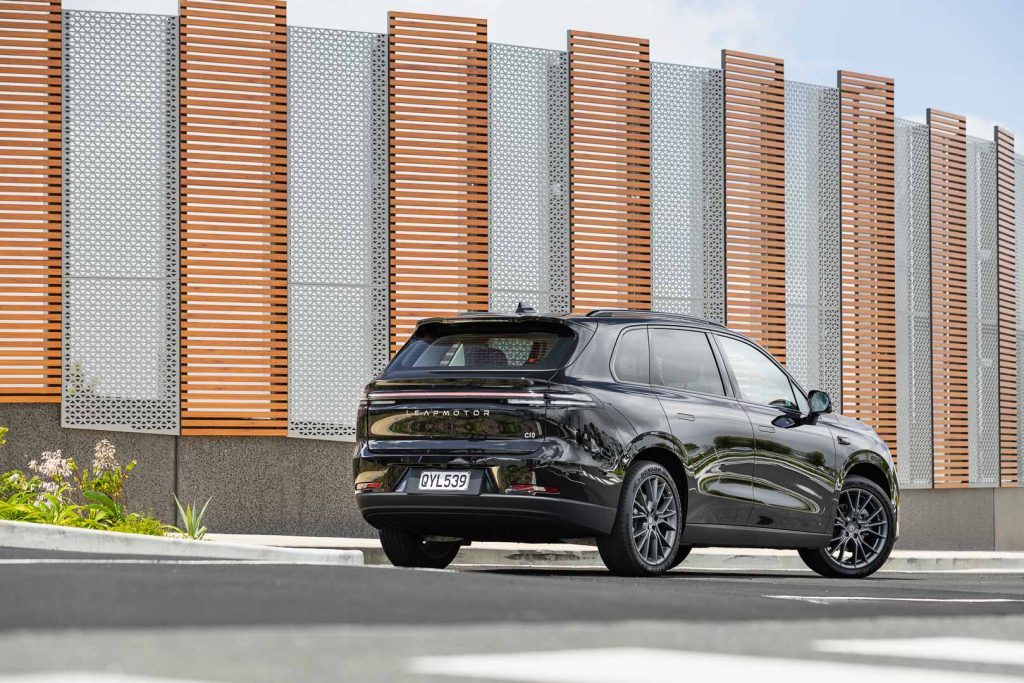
861,529
655,519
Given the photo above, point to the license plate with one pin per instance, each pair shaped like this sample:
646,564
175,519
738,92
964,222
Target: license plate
444,481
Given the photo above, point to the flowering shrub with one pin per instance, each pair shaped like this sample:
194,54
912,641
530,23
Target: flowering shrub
59,491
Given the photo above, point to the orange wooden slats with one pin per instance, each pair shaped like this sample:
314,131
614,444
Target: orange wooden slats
948,153
234,325
868,243
610,171
1006,251
437,85
755,198
30,202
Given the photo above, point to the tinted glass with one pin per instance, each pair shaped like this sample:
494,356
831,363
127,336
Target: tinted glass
682,359
759,380
488,348
632,363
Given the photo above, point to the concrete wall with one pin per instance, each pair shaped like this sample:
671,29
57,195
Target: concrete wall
258,484
303,486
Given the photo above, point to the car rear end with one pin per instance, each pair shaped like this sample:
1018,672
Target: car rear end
463,436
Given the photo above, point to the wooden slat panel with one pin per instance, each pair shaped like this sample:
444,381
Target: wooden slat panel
755,198
30,201
234,340
609,171
1006,250
868,237
437,77
948,152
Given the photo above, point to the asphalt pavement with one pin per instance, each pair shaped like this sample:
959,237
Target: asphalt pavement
84,618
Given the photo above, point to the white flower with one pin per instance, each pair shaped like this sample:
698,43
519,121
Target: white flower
103,459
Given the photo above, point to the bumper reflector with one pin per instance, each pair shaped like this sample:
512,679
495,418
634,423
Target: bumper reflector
530,488
368,486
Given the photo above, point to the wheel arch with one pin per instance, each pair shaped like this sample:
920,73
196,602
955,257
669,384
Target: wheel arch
874,468
670,461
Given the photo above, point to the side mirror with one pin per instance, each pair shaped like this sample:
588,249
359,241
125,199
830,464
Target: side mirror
819,402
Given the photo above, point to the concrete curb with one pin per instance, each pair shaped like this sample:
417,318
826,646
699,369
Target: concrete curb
585,557
67,539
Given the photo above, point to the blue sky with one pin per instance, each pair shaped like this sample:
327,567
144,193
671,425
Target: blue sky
964,57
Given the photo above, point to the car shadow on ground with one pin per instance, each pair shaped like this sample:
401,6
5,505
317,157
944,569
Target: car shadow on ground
677,575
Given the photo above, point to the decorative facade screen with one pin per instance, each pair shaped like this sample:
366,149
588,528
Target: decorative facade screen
121,222
234,218
755,198
438,168
30,202
528,156
337,226
982,313
687,228
949,282
812,237
913,305
868,262
610,169
1006,273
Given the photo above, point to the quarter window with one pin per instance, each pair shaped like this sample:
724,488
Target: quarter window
758,379
632,361
683,359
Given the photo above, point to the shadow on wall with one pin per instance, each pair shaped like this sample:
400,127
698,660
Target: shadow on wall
259,485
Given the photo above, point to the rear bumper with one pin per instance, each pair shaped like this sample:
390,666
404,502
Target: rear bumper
487,516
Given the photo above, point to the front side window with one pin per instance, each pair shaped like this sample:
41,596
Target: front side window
758,379
632,363
682,359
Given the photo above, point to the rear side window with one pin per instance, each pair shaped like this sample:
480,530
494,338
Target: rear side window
488,347
683,359
631,362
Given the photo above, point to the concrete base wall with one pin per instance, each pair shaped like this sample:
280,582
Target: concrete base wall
262,485
259,485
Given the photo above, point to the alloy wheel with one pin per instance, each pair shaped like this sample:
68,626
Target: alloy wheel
655,520
861,529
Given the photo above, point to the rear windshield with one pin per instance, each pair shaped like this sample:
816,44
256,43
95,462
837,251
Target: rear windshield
488,347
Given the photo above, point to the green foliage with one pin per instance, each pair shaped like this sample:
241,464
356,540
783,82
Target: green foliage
57,490
104,509
192,519
135,523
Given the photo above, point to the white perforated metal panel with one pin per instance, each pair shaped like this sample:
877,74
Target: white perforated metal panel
813,341
337,226
913,305
982,312
120,222
687,219
528,147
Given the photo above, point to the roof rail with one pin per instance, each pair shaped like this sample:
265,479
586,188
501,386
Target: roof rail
629,313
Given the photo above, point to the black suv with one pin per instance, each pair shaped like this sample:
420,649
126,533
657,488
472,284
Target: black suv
650,432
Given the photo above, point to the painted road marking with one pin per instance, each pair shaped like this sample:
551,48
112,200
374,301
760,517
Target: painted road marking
87,677
974,650
834,599
149,560
614,665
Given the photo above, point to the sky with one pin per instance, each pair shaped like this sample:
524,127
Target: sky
958,56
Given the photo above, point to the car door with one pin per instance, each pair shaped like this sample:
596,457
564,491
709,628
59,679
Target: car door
708,426
795,455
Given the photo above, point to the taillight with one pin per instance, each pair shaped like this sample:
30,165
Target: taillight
554,400
368,486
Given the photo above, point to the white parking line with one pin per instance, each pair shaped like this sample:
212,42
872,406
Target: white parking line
974,650
834,599
119,560
649,665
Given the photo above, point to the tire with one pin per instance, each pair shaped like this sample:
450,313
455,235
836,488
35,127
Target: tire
865,527
408,550
647,485
681,555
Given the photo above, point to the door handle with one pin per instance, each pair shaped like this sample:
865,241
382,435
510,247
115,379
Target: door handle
686,416
766,428
843,440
